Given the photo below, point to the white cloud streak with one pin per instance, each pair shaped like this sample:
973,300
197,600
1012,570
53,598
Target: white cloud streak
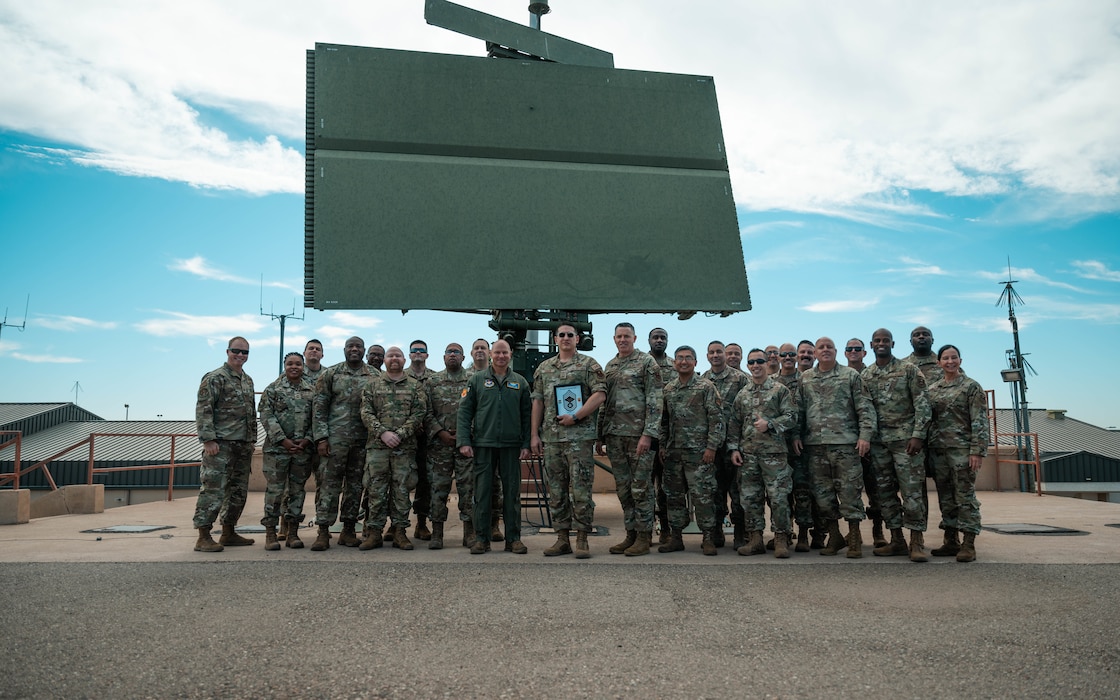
175,323
201,267
840,306
1096,270
72,323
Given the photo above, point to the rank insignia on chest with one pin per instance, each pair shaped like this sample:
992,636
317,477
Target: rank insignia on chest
513,385
489,383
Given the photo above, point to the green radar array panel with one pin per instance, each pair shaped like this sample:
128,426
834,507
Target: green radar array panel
440,181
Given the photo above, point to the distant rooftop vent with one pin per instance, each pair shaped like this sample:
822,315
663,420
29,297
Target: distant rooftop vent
1056,413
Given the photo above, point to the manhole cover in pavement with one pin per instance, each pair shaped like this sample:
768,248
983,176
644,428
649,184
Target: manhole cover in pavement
1032,529
129,528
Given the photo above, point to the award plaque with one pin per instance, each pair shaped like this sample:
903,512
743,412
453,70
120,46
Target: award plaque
569,399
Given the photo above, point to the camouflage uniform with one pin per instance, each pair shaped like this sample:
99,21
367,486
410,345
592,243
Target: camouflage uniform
835,412
765,471
959,429
398,406
691,422
286,415
804,508
729,383
336,417
632,409
422,505
569,451
898,391
445,390
225,413
928,366
657,477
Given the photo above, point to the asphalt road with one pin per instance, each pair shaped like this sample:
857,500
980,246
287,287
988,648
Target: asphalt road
362,629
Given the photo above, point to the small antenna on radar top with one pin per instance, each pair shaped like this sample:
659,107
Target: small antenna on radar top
280,317
21,326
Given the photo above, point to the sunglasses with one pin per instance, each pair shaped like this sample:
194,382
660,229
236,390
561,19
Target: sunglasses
853,348
238,351
787,354
565,334
418,350
757,361
453,352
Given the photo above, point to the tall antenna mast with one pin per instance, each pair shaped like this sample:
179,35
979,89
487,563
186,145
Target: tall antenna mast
282,318
76,388
1016,374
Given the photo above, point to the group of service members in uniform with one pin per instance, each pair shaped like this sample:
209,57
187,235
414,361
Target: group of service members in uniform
797,433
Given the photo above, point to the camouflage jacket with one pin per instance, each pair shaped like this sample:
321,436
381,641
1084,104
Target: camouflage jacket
668,371
633,405
312,375
444,390
286,412
928,365
397,405
770,400
693,415
960,416
728,383
225,408
337,404
580,370
834,407
898,391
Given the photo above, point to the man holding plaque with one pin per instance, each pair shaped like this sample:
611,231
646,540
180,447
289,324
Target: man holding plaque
568,389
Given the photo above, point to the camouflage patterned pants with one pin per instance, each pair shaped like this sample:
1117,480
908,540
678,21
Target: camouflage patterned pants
765,476
687,478
871,488
633,479
224,481
837,481
285,477
316,470
422,506
342,481
727,489
804,508
390,476
900,480
569,470
445,465
956,490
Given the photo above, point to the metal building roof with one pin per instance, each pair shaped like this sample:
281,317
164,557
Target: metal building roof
11,413
1057,436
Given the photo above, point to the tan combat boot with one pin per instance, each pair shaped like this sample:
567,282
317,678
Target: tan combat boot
708,545
282,533
877,538
621,547
896,547
583,551
468,534
422,532
480,546
739,538
496,531
400,538
372,540
674,544
802,539
322,540
437,536
205,542
641,544
950,546
968,548
348,538
754,544
855,541
271,544
230,538
917,547
293,541
560,546
781,545
816,541
836,540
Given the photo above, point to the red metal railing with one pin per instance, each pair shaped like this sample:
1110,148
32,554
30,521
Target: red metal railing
994,440
18,440
169,466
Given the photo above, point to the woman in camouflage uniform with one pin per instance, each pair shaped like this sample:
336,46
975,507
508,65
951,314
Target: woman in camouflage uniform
958,443
285,410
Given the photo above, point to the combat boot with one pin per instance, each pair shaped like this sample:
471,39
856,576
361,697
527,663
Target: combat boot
400,538
282,533
708,546
739,538
781,545
621,547
480,546
835,540
271,544
496,531
802,539
817,539
348,538
855,540
582,549
205,542
468,533
877,537
517,547
754,544
372,540
437,536
770,544
641,544
896,547
718,537
664,532
951,544
322,540
673,544
230,538
968,548
422,532
293,541
560,546
917,547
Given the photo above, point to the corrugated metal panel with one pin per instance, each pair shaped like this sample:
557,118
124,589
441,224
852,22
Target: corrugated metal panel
69,472
1058,435
1081,467
31,418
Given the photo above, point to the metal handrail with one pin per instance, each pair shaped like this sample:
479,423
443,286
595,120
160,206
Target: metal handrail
170,467
1037,462
18,440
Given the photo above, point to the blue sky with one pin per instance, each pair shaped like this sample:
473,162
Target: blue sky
887,161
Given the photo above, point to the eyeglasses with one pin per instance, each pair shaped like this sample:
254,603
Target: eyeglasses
415,351
238,351
757,361
853,348
453,352
771,352
565,334
787,354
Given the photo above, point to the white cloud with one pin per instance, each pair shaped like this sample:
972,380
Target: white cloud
72,323
1026,274
1096,270
355,320
840,306
175,323
201,267
49,359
